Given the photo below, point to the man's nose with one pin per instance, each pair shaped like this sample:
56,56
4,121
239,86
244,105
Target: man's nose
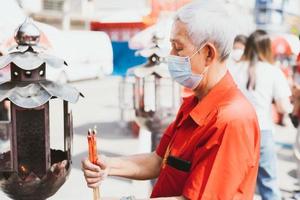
173,52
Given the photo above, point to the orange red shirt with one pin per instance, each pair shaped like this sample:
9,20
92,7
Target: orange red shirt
219,136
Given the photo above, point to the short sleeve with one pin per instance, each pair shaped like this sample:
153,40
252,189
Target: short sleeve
169,132
222,173
165,140
281,87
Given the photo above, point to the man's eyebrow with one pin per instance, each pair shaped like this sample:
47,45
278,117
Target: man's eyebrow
175,40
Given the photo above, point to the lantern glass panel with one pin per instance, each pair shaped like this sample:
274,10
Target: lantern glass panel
5,147
139,94
57,128
32,143
149,93
165,93
126,95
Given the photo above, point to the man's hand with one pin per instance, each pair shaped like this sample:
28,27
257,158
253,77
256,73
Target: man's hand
137,167
94,174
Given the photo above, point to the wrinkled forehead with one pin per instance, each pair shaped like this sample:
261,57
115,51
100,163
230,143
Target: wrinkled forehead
179,33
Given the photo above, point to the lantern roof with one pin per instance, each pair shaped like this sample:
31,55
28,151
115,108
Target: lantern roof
28,58
142,71
35,94
28,54
155,65
153,50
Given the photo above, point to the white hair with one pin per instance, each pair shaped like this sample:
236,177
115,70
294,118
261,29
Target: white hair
208,21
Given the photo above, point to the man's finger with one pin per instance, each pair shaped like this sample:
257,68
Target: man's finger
94,185
87,165
101,163
91,181
92,174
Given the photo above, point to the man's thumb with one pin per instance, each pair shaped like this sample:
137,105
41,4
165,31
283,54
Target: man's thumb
101,162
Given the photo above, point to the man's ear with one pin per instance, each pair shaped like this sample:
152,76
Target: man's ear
211,53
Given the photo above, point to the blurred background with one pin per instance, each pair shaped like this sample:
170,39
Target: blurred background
111,46
121,20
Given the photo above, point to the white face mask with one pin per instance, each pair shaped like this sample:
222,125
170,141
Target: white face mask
180,69
237,54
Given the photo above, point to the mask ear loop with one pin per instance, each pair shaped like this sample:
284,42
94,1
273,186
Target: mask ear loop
206,68
204,71
198,50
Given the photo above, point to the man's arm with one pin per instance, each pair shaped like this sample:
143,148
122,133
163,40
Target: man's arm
139,167
284,105
282,93
171,198
162,198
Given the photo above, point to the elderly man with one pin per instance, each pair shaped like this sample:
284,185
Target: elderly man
211,150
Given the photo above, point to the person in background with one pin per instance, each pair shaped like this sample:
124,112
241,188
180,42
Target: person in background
238,47
211,150
297,70
295,115
236,53
261,82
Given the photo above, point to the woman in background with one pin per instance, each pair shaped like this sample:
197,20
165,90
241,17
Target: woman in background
261,82
237,52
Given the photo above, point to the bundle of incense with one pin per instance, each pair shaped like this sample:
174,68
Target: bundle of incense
93,156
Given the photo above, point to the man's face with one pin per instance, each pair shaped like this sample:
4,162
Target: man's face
183,46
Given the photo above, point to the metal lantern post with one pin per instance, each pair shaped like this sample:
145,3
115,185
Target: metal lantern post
29,168
149,91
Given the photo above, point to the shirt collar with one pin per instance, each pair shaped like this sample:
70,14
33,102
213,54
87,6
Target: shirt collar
213,99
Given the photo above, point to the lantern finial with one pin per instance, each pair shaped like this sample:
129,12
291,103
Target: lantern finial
27,33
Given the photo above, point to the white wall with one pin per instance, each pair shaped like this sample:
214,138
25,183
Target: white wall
293,7
32,5
121,10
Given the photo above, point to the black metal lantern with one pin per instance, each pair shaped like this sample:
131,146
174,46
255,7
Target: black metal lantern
149,91
29,168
